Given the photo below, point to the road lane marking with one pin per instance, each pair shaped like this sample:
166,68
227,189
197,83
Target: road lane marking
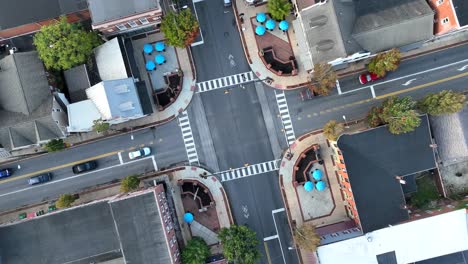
267,252
285,117
187,136
409,75
277,210
120,157
59,167
408,82
372,91
249,170
227,81
462,68
73,177
154,163
338,87
277,233
270,238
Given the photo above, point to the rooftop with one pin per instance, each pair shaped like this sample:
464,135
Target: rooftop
373,159
36,10
461,9
108,10
406,243
129,227
77,80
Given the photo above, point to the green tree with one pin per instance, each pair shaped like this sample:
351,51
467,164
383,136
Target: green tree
384,62
239,244
100,126
332,130
279,9
195,252
63,45
324,78
442,103
373,117
306,237
180,29
129,183
399,114
65,201
54,145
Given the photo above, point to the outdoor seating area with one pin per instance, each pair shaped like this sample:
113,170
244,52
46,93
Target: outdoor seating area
274,46
304,165
198,192
163,70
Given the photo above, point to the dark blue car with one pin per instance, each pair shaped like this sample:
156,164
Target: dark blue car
5,173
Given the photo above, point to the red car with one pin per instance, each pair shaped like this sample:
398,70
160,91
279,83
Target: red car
368,77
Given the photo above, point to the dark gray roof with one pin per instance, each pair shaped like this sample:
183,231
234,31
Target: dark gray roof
451,136
25,102
387,258
373,158
344,11
461,10
322,33
108,10
381,25
20,12
61,237
454,258
128,228
140,229
77,80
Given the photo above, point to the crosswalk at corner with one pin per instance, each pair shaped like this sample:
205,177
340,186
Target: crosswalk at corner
187,136
225,81
250,170
285,117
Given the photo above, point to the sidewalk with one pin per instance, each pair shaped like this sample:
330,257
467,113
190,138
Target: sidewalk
251,49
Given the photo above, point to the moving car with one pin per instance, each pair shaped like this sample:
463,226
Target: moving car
40,178
143,152
368,77
85,166
5,173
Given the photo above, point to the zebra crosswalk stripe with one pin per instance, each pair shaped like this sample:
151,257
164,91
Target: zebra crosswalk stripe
285,117
187,136
250,170
225,81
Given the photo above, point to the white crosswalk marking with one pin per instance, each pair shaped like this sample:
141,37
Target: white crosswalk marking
225,81
249,170
187,136
285,117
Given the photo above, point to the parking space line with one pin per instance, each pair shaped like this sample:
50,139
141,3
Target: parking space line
270,238
372,91
277,233
120,157
154,163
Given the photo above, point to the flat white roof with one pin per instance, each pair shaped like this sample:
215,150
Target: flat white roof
414,241
109,61
81,116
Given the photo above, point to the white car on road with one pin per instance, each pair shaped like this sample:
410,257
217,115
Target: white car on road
143,152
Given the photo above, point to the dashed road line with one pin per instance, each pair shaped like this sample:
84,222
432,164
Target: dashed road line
250,170
225,81
187,136
285,117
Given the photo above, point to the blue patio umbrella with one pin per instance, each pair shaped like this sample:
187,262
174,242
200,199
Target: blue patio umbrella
150,65
284,25
317,174
188,218
148,48
308,186
320,185
160,46
270,24
160,59
261,17
260,30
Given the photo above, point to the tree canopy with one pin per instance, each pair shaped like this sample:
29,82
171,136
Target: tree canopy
100,126
63,45
129,183
324,78
385,62
398,113
65,201
279,9
55,145
306,237
239,244
442,103
195,252
180,29
332,130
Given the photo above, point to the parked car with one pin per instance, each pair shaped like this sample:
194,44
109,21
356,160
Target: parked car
84,167
368,77
227,3
5,173
307,94
143,152
40,178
